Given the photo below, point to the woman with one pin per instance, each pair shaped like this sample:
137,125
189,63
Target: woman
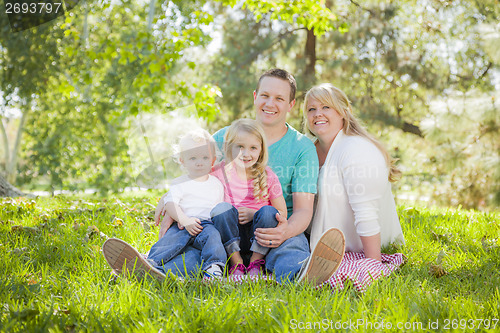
354,190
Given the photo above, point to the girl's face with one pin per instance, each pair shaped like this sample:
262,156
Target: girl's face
246,150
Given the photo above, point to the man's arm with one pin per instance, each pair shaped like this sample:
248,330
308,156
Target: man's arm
298,222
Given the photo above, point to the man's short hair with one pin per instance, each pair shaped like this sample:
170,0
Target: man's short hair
280,74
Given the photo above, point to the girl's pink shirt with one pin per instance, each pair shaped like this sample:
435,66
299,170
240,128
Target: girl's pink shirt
239,192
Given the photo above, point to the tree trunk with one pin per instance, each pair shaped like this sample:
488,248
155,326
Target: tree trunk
310,53
7,190
12,164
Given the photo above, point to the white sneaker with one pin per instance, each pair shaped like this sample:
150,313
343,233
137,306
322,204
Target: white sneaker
124,258
214,271
325,259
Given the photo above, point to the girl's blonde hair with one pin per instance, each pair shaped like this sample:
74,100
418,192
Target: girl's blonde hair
258,170
328,94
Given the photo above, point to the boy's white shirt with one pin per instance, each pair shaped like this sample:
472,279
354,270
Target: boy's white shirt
195,198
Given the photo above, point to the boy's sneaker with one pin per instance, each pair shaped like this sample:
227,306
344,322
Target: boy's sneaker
124,259
325,259
256,267
237,270
213,271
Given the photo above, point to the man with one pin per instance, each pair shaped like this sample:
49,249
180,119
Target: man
293,158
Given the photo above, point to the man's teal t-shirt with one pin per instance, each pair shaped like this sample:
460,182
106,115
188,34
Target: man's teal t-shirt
293,159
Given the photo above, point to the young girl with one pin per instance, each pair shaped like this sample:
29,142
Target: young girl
252,195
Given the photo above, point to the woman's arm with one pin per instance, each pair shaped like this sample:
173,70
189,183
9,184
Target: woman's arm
371,246
365,178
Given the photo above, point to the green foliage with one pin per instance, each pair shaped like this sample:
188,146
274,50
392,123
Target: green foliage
110,65
54,276
393,60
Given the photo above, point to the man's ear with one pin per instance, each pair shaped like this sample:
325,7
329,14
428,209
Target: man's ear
292,103
254,95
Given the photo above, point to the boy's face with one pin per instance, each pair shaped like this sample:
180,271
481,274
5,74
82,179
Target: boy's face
198,160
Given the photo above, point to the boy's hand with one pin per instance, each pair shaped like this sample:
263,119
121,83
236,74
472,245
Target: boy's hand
193,226
245,215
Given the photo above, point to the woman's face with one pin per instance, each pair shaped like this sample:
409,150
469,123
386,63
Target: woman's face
323,121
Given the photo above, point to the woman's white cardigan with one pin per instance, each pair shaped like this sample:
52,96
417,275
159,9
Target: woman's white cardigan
354,194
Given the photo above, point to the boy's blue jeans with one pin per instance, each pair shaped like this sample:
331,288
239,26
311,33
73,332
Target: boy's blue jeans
179,252
285,261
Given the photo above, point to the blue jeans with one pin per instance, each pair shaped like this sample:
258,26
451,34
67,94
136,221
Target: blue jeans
176,242
285,261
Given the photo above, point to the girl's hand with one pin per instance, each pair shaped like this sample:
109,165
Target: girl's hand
245,215
273,237
194,227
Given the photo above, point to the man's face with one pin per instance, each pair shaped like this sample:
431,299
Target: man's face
272,101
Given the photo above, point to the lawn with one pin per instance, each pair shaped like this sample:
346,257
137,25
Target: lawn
54,277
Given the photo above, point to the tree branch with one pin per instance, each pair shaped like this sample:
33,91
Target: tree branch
363,8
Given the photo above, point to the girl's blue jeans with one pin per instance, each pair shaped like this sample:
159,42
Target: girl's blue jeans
285,261
182,253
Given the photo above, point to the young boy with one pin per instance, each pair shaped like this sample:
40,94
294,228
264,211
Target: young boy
189,202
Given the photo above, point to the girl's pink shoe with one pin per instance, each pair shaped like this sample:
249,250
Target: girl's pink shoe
238,269
256,267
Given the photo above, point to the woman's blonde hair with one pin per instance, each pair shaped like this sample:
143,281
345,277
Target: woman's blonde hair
258,170
328,94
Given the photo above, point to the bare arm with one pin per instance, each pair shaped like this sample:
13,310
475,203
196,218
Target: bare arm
162,218
280,204
371,246
297,223
192,224
160,210
246,214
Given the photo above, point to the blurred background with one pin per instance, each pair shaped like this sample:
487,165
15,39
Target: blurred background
93,100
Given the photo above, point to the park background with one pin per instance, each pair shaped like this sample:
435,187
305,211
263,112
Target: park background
92,101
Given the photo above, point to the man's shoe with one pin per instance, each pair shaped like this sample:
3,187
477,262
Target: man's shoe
325,259
124,258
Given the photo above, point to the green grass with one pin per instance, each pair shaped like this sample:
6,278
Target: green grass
53,277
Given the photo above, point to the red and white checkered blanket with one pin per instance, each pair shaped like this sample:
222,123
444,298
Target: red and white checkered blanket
355,267
362,271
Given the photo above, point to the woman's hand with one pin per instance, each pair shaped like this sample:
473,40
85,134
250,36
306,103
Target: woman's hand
245,215
273,237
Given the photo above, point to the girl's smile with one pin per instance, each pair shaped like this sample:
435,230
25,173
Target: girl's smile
246,150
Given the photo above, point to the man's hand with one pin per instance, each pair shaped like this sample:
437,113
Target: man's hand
273,237
245,215
166,223
160,211
193,226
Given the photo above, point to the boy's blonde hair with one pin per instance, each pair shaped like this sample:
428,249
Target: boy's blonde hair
196,137
328,94
258,170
